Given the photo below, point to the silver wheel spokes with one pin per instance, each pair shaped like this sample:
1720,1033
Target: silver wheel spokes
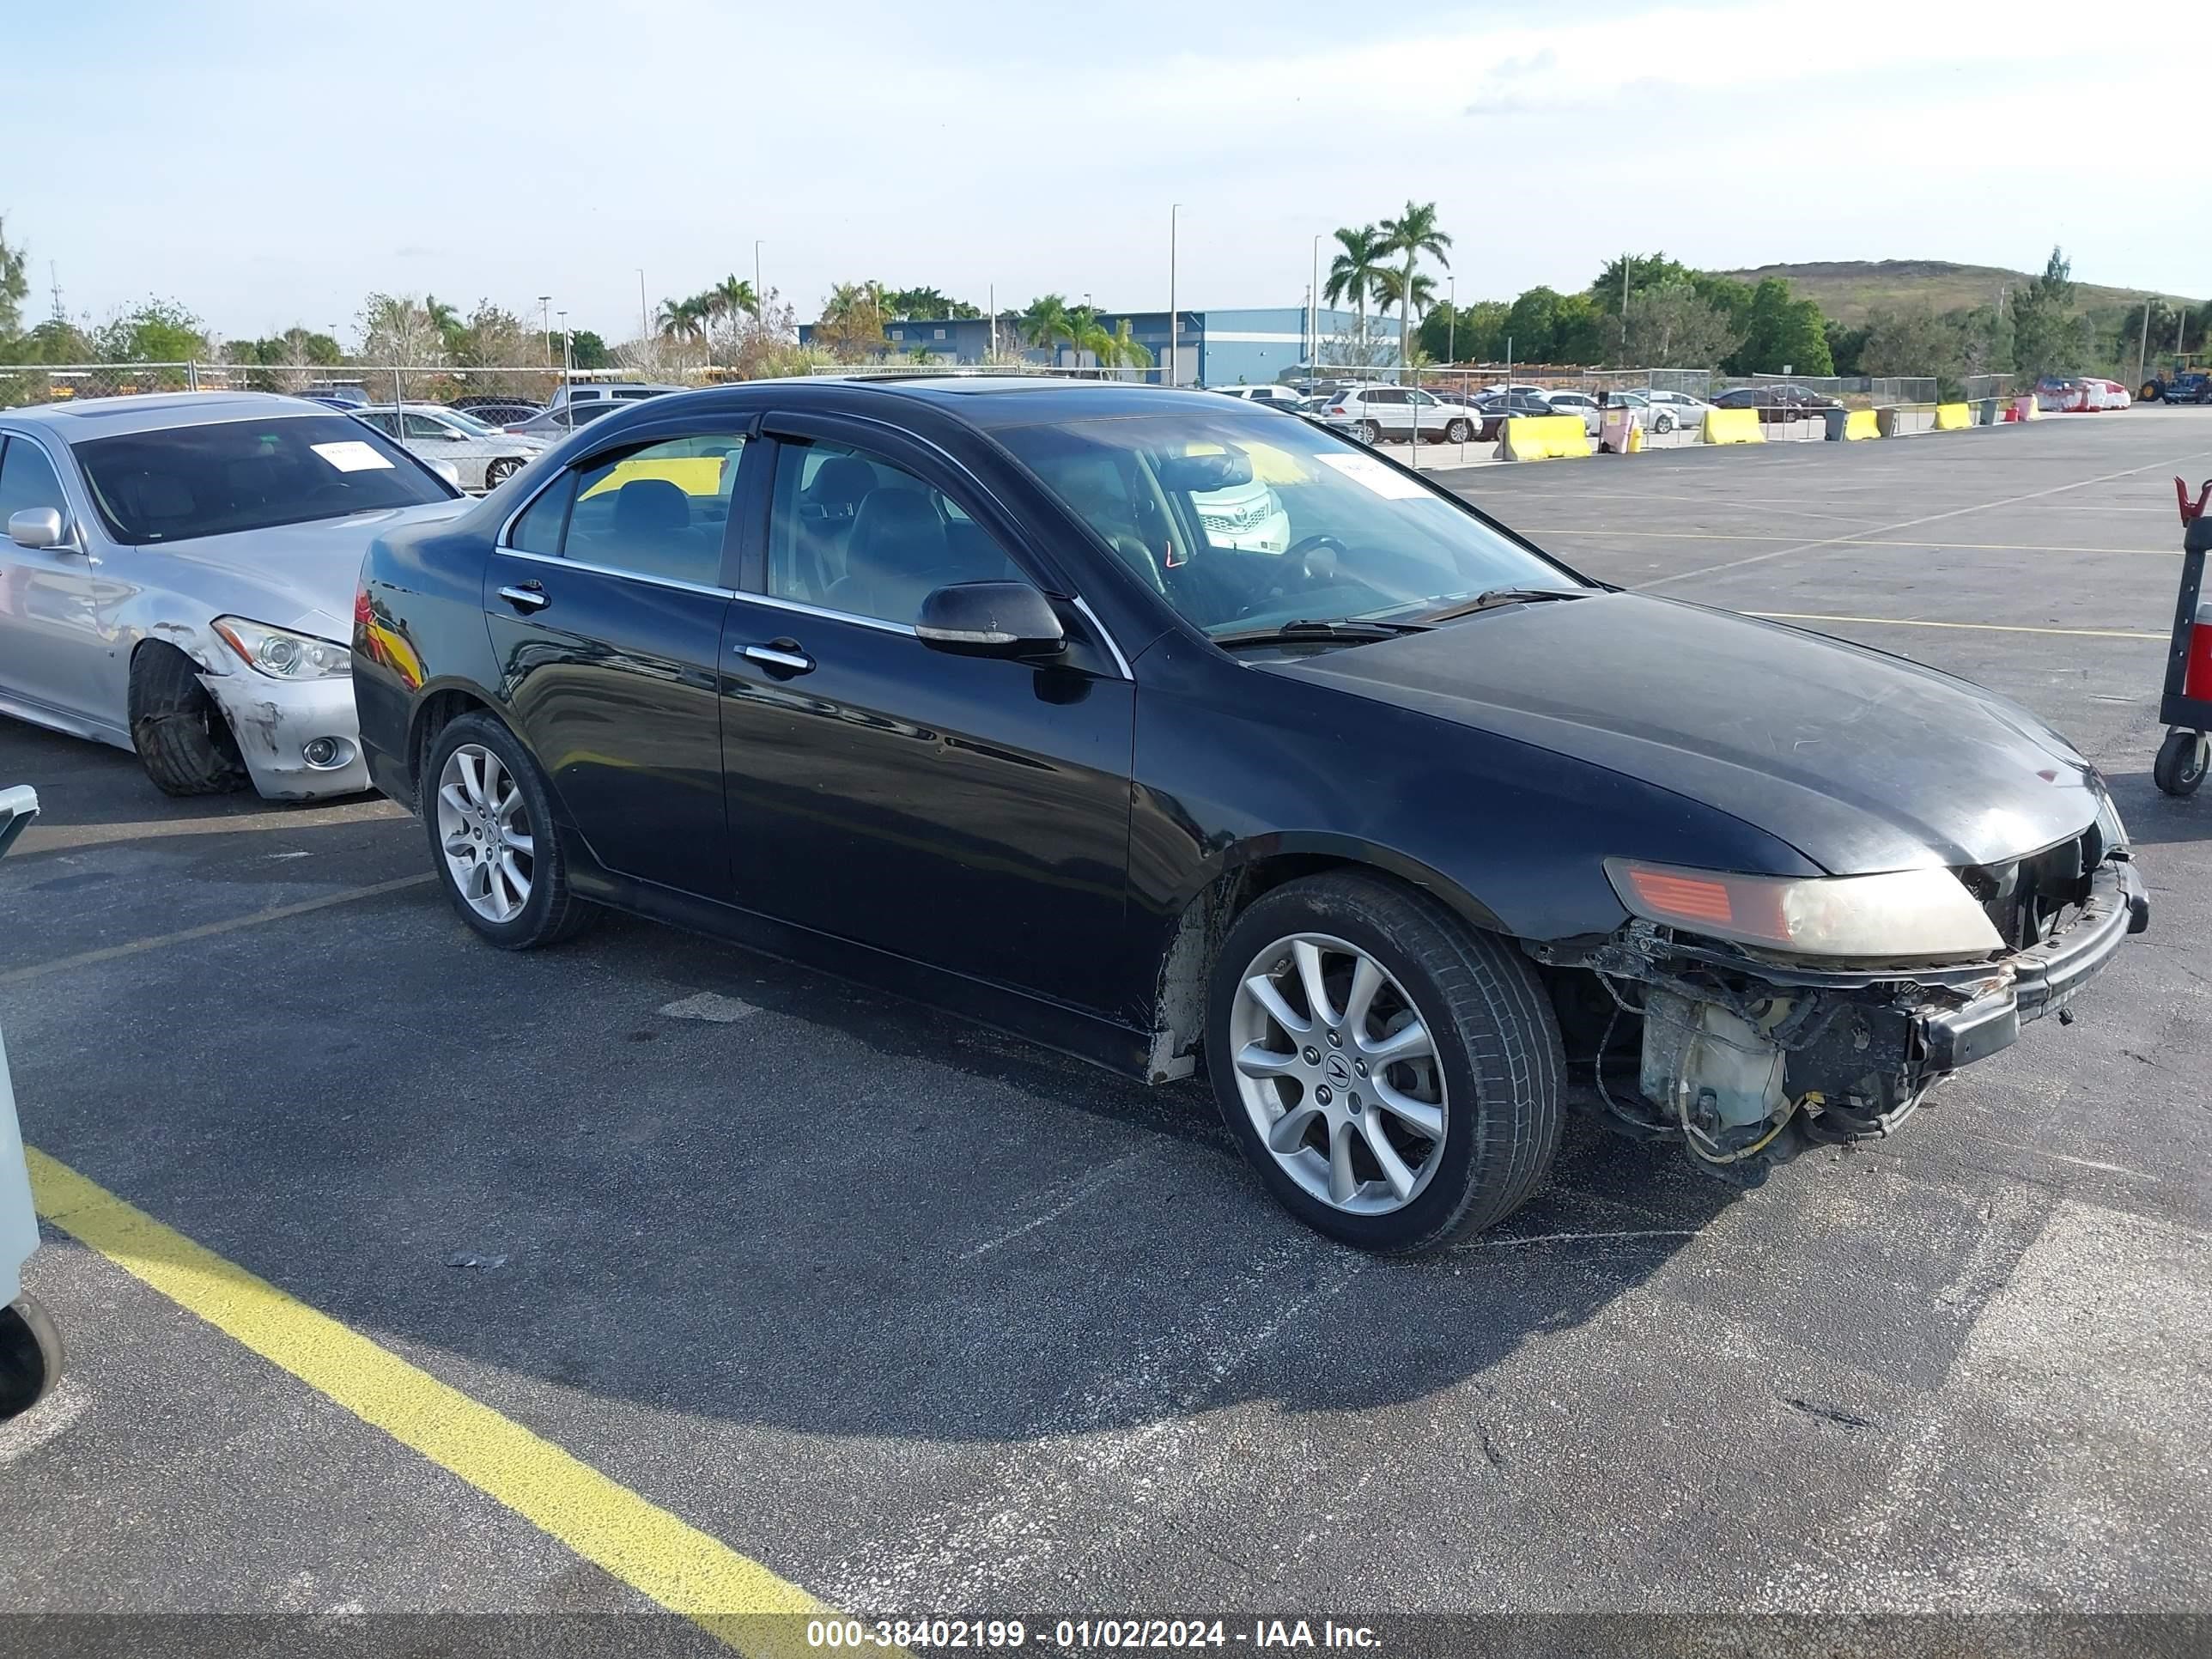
485,833
1338,1070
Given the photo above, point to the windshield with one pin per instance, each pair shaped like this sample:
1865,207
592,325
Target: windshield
190,481
1245,520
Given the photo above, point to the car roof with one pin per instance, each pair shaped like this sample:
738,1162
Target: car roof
978,402
80,421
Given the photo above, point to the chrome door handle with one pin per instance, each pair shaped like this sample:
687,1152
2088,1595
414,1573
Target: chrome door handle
780,657
526,596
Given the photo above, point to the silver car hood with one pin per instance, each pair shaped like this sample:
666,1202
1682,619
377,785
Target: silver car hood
297,576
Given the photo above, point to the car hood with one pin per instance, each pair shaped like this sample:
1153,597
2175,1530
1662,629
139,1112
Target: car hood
300,576
1861,761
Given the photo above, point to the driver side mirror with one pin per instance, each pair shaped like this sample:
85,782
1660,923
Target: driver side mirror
990,619
37,528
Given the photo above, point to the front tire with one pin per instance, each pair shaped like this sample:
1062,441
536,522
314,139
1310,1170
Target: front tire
2179,768
1392,1074
181,737
1456,432
2150,392
30,1356
488,813
497,472
1662,421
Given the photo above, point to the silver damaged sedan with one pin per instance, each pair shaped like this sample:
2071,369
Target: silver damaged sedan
178,574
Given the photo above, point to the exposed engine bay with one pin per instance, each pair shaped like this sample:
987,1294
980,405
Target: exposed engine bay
1746,1059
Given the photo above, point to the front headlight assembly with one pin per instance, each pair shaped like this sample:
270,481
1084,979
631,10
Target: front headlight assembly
281,654
1919,915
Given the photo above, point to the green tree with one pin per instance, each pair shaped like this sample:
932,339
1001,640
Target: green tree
1413,233
1474,333
1644,270
1390,287
681,320
1124,350
1912,341
54,340
1726,294
2047,338
1668,326
925,305
1532,324
731,297
1362,251
295,345
1045,322
447,321
396,331
588,350
1581,331
156,331
852,322
14,286
1845,345
1781,333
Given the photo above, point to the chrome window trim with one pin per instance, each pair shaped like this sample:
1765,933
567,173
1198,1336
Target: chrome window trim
1082,608
676,583
882,624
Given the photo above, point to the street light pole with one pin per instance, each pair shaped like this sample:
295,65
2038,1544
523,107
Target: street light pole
1452,322
1175,320
545,325
1313,313
760,293
567,408
644,328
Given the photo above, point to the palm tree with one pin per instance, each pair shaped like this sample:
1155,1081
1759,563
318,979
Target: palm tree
730,296
1123,350
1353,273
1412,234
447,320
681,320
1045,321
1390,290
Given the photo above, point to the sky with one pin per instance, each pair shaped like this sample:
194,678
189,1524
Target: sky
269,165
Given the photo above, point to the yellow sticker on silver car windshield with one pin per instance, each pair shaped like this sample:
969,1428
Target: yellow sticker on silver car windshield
351,456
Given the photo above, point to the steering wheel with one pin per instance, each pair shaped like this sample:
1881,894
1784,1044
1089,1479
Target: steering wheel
1317,556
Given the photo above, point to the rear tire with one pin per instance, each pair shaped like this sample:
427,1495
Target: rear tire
2150,392
550,911
2179,768
182,740
30,1356
1371,433
1495,1061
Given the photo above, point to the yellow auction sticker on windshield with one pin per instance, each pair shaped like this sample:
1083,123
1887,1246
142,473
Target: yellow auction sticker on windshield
351,456
1367,469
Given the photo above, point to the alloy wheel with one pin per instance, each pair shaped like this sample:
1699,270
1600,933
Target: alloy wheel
499,472
1338,1070
483,827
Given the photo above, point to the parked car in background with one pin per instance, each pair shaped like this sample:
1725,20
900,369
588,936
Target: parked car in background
339,394
1379,412
30,1348
1494,410
483,457
179,574
554,424
1577,402
1280,395
1670,409
1779,402
1392,827
581,394
501,412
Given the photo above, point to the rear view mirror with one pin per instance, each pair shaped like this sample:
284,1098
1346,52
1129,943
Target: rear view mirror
990,619
36,527
1197,474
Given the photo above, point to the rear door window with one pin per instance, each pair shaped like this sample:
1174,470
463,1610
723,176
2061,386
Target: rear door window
660,511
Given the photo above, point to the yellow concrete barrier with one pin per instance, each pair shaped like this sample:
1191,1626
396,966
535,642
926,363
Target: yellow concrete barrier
1545,437
1733,426
1954,417
1861,423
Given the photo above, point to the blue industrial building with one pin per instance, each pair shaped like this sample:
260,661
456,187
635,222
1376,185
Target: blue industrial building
1244,347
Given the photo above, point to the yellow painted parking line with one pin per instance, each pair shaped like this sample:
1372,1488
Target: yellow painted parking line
1982,627
209,929
675,1564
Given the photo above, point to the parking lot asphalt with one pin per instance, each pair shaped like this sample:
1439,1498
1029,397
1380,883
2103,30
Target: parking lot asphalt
924,1319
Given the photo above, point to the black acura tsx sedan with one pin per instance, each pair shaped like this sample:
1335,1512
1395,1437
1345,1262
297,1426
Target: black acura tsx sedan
1183,734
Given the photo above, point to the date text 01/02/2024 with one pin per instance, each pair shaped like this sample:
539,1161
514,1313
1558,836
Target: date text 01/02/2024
1086,1634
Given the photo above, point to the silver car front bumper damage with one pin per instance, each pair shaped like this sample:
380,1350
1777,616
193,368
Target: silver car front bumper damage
276,722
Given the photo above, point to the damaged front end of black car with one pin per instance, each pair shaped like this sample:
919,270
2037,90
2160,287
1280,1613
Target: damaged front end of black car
1749,1018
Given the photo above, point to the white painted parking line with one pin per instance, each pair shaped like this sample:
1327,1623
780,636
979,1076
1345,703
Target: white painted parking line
208,930
1932,518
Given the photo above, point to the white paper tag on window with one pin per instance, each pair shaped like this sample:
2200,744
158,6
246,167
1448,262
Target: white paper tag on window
351,456
1367,469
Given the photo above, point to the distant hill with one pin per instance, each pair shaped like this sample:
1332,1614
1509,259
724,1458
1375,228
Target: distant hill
1847,289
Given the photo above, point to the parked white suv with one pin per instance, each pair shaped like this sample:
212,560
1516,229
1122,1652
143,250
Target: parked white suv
1262,394
1374,413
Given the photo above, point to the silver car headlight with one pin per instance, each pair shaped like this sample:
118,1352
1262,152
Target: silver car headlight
282,654
1920,914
